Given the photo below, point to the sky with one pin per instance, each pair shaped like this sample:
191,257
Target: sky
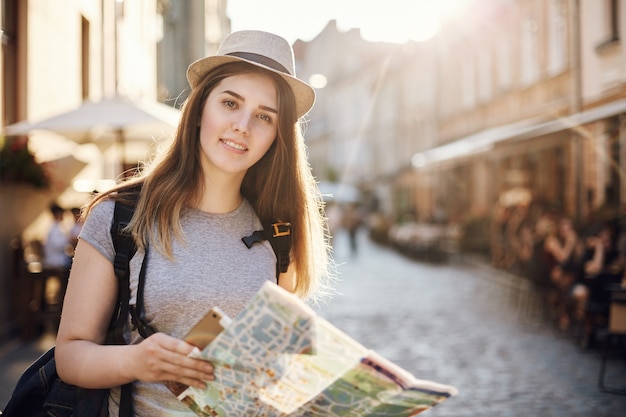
390,20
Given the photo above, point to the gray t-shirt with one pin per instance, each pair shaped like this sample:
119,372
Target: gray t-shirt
212,267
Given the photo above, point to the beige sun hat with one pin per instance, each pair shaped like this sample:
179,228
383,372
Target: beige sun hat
264,50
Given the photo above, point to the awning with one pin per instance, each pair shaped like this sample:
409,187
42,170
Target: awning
527,129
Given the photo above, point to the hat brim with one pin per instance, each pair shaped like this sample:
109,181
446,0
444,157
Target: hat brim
304,94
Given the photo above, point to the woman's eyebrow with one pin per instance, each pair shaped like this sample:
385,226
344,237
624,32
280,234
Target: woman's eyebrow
232,93
240,97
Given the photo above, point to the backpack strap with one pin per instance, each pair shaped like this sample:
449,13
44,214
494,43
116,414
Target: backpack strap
137,311
125,249
279,235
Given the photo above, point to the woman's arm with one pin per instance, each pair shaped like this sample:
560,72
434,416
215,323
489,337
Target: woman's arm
594,266
560,252
81,357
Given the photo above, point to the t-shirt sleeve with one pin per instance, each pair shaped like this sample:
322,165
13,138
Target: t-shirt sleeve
97,229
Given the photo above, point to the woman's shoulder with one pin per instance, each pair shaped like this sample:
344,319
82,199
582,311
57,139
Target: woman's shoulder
126,194
100,213
97,227
102,210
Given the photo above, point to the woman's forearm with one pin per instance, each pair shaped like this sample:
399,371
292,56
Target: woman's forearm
90,365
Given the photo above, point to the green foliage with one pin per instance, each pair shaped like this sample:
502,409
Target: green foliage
19,166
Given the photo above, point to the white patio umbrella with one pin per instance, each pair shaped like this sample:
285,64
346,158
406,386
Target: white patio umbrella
111,120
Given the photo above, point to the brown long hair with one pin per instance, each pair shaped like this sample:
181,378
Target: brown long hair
280,186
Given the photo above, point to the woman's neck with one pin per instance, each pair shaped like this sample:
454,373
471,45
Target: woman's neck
220,195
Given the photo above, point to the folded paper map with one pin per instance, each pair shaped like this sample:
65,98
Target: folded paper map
278,358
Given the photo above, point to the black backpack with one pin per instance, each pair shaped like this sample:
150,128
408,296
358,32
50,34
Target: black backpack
41,393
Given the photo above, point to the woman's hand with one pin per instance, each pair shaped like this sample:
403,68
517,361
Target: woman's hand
162,358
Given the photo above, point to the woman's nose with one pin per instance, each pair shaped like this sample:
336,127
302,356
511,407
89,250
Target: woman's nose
242,122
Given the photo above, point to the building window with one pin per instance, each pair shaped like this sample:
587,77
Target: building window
468,86
9,36
611,22
613,19
504,64
85,57
485,75
557,46
530,62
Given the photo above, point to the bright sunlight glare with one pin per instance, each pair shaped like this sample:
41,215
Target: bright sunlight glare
394,21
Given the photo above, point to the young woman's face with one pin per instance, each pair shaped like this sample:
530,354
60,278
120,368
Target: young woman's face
239,123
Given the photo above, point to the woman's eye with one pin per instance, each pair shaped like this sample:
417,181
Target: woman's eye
265,118
229,103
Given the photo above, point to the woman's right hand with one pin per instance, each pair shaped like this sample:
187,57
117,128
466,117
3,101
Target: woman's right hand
161,358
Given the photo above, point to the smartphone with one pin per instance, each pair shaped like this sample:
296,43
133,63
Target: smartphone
207,328
200,336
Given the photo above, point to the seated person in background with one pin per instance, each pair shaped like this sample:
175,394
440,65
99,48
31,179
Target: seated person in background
556,244
603,268
524,250
564,247
76,228
542,261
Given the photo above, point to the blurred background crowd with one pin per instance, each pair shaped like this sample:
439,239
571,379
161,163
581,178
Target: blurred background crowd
573,266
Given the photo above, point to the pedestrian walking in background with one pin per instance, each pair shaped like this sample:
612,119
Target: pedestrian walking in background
352,222
55,248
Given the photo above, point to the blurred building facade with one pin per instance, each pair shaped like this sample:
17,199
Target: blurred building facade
367,119
191,30
55,56
512,98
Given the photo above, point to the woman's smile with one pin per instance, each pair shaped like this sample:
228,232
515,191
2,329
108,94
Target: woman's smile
234,145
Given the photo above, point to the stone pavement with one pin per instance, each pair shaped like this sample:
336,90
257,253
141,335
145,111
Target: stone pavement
455,324
458,324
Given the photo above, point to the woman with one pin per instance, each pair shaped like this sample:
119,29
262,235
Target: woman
237,160
566,248
603,267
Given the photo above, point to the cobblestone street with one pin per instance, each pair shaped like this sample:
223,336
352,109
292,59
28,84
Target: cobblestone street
455,324
458,324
